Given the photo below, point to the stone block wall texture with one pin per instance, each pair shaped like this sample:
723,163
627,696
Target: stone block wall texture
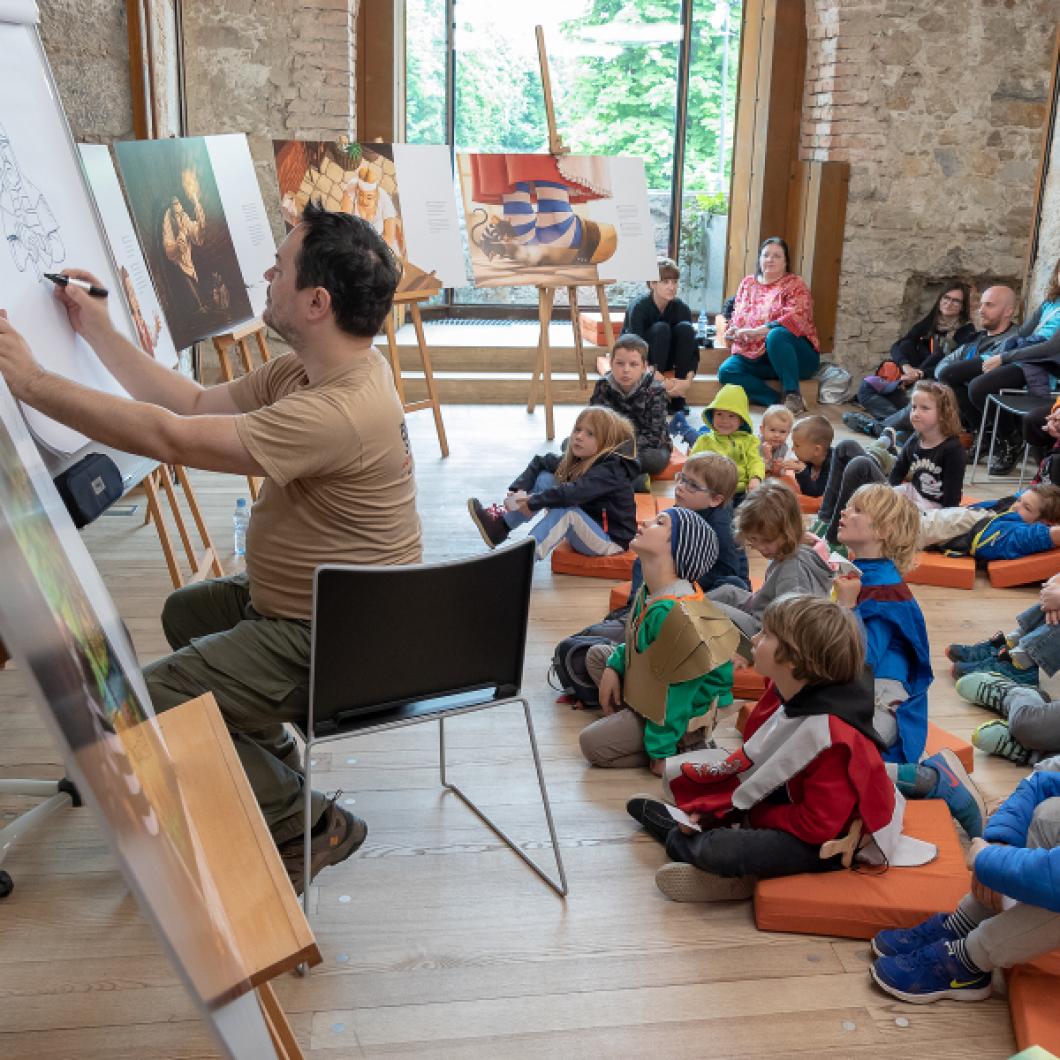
87,46
939,110
274,69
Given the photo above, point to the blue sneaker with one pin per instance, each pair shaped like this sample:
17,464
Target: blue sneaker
956,789
966,653
1001,666
897,941
930,974
679,425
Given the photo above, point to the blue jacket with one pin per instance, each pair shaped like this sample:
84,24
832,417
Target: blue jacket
896,647
1007,536
1031,876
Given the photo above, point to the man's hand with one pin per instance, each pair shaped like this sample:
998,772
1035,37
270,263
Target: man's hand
610,691
992,362
89,317
17,365
1050,594
911,374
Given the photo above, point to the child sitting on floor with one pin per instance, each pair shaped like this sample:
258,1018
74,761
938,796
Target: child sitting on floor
673,671
586,494
809,766
632,389
770,522
1017,526
933,460
1010,916
811,445
773,432
731,433
879,528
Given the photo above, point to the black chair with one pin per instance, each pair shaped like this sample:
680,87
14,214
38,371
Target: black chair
1017,403
395,646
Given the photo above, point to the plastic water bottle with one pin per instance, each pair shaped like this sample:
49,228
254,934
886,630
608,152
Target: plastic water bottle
240,519
701,328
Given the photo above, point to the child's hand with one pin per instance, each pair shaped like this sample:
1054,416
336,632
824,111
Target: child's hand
1052,618
791,464
657,765
847,590
753,484
684,827
610,691
516,502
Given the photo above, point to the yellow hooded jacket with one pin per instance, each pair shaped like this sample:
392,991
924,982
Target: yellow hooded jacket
741,447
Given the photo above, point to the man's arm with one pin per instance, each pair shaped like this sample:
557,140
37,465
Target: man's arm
141,375
210,442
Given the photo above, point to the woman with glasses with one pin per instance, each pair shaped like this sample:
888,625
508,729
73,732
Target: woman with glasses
914,356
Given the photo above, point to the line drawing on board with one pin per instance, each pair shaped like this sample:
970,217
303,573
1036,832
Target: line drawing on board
30,227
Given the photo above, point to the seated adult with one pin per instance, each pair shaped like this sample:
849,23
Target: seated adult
664,322
914,356
1005,371
771,332
325,428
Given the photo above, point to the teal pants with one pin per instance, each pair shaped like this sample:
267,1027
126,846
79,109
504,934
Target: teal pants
788,358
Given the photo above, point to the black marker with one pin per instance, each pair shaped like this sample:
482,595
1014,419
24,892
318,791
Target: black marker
64,281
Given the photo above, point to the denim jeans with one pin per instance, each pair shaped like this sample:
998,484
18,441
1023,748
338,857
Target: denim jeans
882,406
584,534
1039,640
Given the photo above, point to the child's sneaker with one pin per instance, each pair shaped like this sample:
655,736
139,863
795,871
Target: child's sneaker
897,941
993,738
986,649
999,667
490,522
861,422
930,974
987,690
956,789
681,882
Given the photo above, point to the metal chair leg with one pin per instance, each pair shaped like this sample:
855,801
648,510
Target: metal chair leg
560,888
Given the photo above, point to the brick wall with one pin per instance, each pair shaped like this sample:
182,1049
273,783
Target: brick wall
939,110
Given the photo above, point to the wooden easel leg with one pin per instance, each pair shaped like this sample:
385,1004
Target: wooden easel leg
428,375
543,367
579,349
151,489
395,358
283,1038
209,560
263,346
603,363
244,354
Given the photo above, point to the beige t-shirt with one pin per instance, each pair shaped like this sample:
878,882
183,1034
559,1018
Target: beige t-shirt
340,486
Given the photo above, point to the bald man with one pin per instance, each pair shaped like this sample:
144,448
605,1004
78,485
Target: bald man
974,370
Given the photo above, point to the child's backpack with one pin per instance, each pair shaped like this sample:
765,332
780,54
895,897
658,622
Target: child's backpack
568,661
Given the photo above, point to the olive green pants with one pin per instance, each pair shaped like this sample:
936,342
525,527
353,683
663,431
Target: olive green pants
258,671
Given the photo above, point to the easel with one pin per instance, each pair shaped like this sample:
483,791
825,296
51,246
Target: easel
238,339
201,565
546,294
412,299
270,930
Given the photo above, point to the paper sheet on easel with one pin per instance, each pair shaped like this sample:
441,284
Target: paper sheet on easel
48,224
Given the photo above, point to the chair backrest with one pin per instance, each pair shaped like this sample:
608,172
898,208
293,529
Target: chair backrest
387,637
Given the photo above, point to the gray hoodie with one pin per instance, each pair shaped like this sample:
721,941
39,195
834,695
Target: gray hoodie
804,573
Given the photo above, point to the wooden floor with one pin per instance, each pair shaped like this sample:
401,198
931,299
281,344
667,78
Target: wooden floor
437,942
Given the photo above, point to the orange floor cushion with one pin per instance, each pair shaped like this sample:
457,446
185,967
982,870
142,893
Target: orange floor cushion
1005,573
809,505
677,461
856,905
937,739
951,572
619,595
1032,1003
747,684
566,561
648,507
592,327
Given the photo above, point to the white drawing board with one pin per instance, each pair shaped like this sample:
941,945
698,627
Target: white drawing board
248,223
152,332
48,221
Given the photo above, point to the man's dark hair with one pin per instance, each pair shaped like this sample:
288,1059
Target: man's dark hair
349,259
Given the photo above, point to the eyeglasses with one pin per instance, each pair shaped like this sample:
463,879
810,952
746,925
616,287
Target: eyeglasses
683,480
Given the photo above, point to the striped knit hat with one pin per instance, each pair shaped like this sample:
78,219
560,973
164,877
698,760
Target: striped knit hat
693,544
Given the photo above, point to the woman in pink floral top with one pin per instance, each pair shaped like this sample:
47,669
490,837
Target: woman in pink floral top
771,331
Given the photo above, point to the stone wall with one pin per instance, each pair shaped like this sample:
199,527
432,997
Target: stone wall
939,111
272,69
91,65
1049,233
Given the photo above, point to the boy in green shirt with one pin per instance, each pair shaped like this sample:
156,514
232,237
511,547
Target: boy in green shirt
674,668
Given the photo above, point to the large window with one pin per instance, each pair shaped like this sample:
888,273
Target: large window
616,69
